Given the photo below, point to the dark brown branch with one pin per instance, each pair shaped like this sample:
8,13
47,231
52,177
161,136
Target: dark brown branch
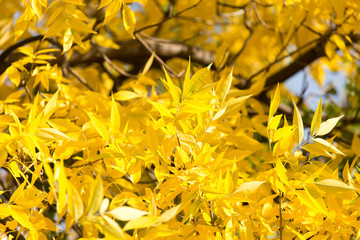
134,52
116,68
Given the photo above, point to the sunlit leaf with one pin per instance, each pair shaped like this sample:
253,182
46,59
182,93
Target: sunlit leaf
316,121
297,121
328,125
125,213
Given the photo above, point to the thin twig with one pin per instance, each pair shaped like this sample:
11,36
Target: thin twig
238,54
282,58
144,43
259,17
168,18
78,77
85,164
107,59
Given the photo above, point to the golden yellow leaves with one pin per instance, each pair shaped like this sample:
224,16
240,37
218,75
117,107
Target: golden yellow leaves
113,9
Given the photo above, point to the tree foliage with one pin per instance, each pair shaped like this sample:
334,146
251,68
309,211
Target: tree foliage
156,119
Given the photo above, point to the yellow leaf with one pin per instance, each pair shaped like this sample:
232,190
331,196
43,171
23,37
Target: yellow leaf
316,150
161,108
21,26
339,42
104,3
125,213
96,196
141,222
52,132
151,138
62,186
170,213
274,122
129,19
355,144
17,121
332,186
317,200
248,229
115,117
328,145
192,210
248,188
174,90
18,215
281,171
104,205
99,126
234,104
75,204
223,87
297,121
318,73
68,40
3,157
330,49
221,55
229,183
316,121
148,63
196,81
13,75
124,95
328,125
112,10
14,169
275,101
187,77
107,226
219,113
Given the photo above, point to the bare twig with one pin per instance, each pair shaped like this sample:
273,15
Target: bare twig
282,58
78,77
168,18
107,59
259,17
144,43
